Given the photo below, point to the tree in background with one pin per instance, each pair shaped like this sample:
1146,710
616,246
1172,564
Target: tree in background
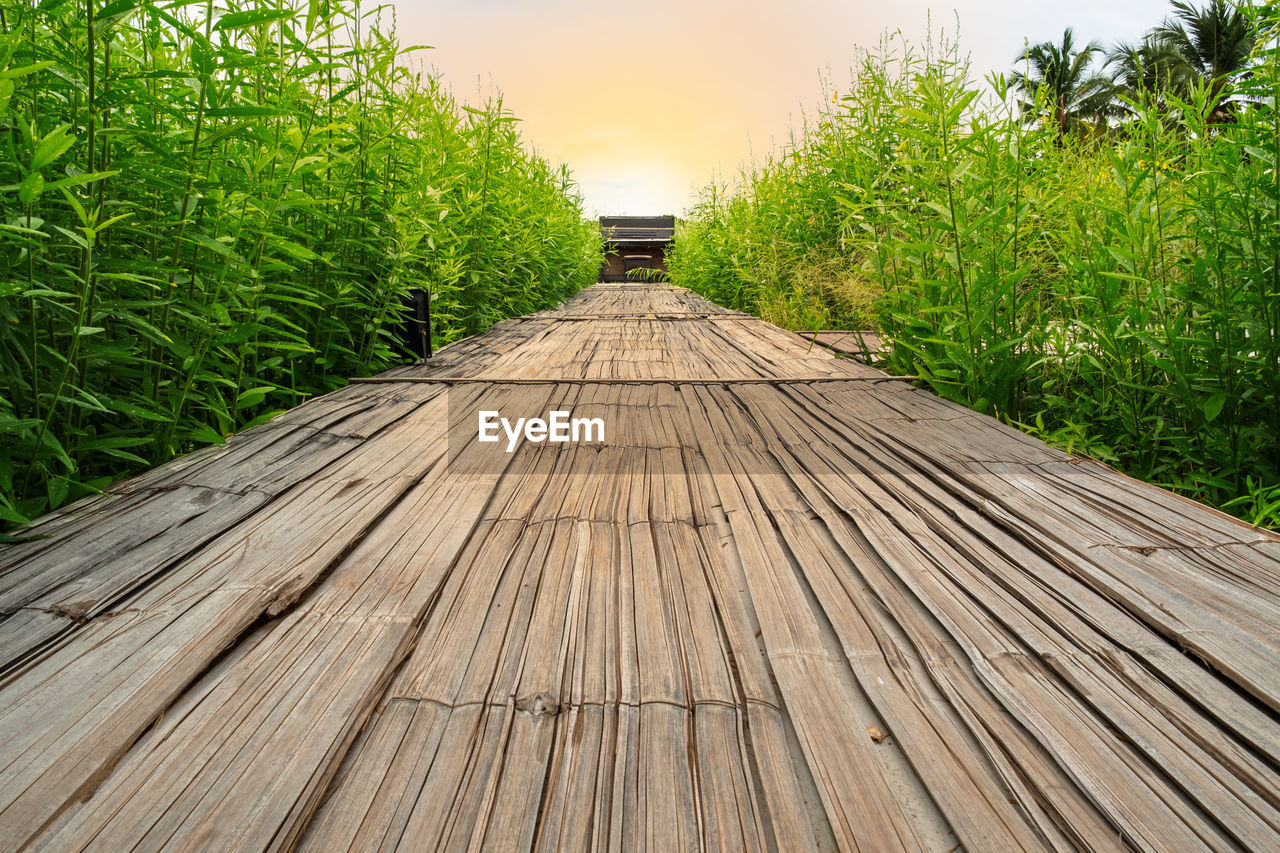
1214,44
1061,86
1151,68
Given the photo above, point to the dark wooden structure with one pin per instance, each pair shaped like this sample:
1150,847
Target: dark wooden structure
795,605
414,333
636,243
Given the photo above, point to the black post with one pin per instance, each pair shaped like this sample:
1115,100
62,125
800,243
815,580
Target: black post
422,314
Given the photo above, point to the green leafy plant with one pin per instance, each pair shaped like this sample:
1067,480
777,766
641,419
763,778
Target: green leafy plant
1116,292
209,213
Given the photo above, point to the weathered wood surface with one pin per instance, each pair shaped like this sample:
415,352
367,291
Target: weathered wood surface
771,615
863,344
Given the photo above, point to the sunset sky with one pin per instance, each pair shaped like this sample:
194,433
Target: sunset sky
646,101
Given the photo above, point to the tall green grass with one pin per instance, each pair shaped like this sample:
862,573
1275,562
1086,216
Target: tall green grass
209,213
1119,297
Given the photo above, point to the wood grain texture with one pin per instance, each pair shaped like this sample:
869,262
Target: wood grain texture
771,614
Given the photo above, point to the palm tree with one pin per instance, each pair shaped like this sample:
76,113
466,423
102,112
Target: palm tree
1214,44
1149,68
1060,80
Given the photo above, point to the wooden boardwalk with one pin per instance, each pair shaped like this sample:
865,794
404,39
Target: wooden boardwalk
792,605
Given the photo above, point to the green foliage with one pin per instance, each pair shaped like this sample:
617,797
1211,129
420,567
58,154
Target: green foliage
209,214
1118,296
774,247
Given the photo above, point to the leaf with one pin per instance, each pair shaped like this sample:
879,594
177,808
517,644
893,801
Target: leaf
7,539
252,17
15,518
31,187
959,107
114,442
54,144
205,434
252,397
302,253
126,455
57,490
238,333
11,73
218,246
263,418
134,410
15,426
108,13
1262,154
202,59
79,180
25,225
1213,406
51,442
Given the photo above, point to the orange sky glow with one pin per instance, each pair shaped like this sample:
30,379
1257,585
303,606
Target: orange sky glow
646,102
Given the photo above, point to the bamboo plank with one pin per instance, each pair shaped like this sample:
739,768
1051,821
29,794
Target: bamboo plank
1171,753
